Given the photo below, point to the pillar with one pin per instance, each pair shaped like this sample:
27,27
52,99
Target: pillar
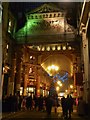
18,68
25,80
12,77
85,59
1,83
18,74
38,83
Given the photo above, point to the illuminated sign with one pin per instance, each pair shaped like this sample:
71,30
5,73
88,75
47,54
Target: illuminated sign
59,77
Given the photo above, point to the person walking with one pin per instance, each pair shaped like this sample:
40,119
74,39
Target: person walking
63,101
40,103
29,102
69,106
49,104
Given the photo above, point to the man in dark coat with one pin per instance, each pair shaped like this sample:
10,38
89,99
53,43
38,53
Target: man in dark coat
49,104
63,103
69,106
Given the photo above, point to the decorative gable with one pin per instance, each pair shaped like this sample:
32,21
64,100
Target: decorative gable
45,21
45,8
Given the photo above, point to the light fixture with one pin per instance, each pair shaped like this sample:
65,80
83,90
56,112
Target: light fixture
64,47
58,82
71,86
38,47
66,90
53,48
7,46
43,48
57,88
48,48
53,67
58,47
69,47
31,57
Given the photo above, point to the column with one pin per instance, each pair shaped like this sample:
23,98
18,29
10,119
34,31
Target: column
38,83
1,83
85,59
18,73
18,68
12,77
25,80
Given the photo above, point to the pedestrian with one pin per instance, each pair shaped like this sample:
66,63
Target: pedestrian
69,106
40,103
29,102
49,104
36,102
23,104
63,100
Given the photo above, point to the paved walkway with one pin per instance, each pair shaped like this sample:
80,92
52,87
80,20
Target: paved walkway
39,114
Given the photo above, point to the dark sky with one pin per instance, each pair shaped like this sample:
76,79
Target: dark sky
23,7
28,6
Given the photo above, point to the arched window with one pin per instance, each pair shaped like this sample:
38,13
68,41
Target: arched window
54,15
31,17
50,15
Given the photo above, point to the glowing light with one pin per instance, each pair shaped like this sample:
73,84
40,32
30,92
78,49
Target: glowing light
31,57
53,48
71,70
53,67
66,90
69,47
58,48
75,91
58,82
71,86
38,48
64,47
49,68
43,48
7,46
57,88
48,48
